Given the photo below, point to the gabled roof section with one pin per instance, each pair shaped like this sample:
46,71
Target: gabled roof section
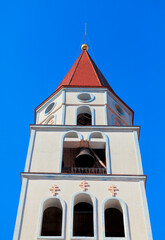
84,73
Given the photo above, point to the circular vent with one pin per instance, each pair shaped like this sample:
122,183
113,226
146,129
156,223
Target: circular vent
49,108
85,97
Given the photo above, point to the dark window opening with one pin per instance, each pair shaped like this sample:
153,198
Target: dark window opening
114,226
52,222
85,163
84,119
83,220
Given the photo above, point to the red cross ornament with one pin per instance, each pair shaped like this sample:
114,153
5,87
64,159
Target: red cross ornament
113,190
51,121
54,190
84,185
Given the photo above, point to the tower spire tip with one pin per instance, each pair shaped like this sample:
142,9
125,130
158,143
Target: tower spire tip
85,46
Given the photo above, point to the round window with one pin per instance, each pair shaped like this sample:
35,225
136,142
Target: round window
85,97
49,108
119,109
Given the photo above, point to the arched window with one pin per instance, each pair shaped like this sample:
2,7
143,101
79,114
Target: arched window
115,219
52,222
84,216
83,219
114,226
52,218
84,116
99,142
69,150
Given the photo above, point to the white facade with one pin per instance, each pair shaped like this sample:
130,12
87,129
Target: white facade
57,130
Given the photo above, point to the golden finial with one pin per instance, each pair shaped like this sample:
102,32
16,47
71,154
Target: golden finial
85,46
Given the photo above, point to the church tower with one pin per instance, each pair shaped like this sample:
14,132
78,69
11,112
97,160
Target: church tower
83,177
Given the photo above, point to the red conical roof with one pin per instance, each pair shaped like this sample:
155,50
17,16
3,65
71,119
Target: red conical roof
84,73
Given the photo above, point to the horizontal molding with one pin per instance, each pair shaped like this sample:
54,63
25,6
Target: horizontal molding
58,176
101,128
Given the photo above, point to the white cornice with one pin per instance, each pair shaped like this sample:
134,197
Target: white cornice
56,176
87,128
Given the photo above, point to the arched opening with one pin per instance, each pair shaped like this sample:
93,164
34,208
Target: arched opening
72,134
84,157
52,220
84,116
83,220
71,142
113,216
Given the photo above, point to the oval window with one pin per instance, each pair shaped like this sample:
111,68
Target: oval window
49,108
119,109
85,97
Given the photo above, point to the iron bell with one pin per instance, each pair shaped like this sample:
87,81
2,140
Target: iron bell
84,159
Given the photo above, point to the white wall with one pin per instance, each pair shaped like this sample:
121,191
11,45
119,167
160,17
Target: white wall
38,190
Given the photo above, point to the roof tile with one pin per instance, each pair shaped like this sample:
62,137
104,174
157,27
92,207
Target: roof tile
85,73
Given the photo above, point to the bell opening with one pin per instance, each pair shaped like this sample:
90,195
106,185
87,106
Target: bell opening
84,159
84,119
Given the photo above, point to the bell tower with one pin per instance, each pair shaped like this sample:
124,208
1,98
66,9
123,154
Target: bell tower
83,176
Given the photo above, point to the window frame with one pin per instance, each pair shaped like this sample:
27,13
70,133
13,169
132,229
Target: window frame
107,147
93,199
92,111
78,137
92,97
125,219
63,205
51,108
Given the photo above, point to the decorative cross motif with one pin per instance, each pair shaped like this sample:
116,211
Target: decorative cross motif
84,185
54,190
113,190
51,121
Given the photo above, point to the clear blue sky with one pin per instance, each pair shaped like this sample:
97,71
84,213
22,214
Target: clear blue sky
39,42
